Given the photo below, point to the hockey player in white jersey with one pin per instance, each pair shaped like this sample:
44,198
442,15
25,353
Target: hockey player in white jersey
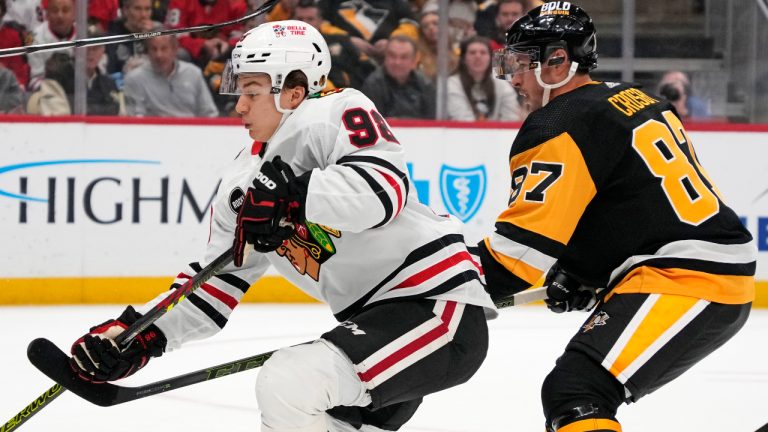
323,196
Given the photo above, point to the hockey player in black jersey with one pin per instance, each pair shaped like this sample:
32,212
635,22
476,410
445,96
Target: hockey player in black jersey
607,191
323,195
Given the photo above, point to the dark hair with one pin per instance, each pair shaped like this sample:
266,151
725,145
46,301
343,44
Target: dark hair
60,67
520,2
297,78
95,31
3,8
466,79
307,4
406,39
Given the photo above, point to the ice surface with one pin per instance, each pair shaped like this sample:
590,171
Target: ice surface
725,392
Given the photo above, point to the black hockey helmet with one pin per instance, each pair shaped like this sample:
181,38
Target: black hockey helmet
555,25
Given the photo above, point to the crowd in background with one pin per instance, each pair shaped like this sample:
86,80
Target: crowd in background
385,48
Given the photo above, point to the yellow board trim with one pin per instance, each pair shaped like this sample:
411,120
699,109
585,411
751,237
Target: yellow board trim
127,290
138,290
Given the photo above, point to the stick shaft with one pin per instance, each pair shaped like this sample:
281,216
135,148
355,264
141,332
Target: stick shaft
31,409
523,297
114,39
175,297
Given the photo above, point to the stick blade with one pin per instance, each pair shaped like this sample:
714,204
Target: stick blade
54,363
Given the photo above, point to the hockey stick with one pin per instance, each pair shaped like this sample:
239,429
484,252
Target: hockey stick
114,39
124,338
53,362
33,408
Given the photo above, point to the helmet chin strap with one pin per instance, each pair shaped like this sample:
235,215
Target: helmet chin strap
548,87
286,112
279,108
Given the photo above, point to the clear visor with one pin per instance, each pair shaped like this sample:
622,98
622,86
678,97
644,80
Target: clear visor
508,62
231,85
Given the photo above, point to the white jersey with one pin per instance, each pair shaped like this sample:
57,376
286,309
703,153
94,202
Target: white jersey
28,13
43,35
367,240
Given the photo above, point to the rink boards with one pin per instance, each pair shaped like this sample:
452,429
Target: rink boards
103,212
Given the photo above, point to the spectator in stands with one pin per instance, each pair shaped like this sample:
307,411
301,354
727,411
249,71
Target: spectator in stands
215,67
494,20
251,7
159,10
13,34
675,86
11,95
417,6
203,47
370,23
136,18
56,93
58,26
461,17
397,88
102,12
167,86
473,93
350,67
284,10
28,14
56,89
427,47
103,97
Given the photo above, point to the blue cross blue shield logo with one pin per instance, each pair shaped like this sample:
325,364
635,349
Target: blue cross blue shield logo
463,190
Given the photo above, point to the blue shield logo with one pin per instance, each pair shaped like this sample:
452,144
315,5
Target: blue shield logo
463,190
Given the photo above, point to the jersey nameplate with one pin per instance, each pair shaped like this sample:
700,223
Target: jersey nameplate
631,101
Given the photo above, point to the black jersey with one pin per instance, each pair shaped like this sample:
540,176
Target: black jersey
605,181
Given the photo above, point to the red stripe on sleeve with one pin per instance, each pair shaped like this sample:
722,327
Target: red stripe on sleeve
220,295
396,186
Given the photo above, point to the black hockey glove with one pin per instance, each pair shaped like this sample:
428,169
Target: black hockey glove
270,209
97,358
566,294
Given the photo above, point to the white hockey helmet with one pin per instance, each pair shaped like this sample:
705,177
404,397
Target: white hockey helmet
276,49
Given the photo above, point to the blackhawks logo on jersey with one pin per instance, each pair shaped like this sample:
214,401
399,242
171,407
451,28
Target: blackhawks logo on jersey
309,247
326,92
